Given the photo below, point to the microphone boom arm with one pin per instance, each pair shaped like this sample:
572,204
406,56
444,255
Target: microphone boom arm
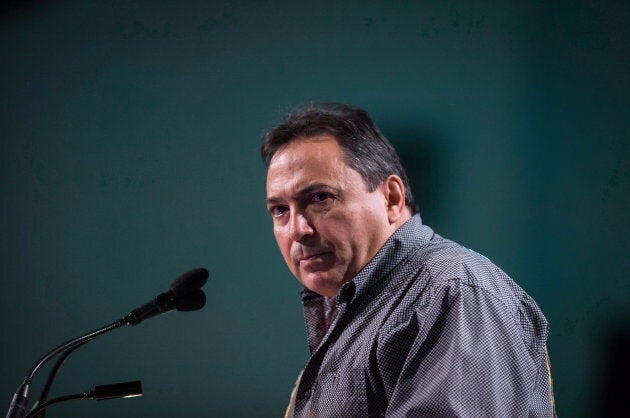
20,399
185,295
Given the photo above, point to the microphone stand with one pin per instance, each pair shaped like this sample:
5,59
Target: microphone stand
185,295
17,408
51,376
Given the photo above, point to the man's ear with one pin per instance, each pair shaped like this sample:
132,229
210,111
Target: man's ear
394,191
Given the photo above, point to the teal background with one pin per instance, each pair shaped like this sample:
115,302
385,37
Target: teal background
129,154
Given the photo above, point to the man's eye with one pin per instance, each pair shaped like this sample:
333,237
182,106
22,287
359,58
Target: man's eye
320,197
277,211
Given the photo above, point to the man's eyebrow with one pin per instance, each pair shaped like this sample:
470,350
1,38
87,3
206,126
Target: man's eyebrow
313,187
304,191
272,200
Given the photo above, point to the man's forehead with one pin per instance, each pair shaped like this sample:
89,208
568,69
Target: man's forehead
307,148
306,165
319,157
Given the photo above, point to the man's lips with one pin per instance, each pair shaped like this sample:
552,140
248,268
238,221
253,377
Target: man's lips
307,257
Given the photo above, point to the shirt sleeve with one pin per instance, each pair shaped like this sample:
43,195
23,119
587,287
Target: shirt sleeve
465,356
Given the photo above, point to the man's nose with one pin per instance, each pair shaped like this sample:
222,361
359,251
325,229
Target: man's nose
300,227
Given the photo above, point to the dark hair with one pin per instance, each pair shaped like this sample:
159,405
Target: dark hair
366,150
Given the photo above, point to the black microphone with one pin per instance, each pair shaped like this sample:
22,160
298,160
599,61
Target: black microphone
191,302
189,282
184,285
184,295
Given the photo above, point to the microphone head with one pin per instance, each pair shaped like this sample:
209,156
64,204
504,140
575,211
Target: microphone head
191,302
189,282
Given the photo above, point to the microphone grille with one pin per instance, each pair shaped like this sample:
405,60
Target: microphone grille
189,282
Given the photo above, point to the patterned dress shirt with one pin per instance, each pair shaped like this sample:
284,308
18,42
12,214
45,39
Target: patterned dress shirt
426,329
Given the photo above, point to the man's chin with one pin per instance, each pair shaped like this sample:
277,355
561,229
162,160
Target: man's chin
322,283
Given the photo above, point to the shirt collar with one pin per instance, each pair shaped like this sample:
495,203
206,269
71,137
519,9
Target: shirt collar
400,245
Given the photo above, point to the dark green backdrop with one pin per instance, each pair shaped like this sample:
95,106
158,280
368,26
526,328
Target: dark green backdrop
129,154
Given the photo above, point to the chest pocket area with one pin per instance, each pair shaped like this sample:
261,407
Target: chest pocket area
343,394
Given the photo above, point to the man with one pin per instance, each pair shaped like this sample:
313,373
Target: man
400,321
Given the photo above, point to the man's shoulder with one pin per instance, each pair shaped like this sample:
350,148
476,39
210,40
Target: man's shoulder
442,263
445,259
445,274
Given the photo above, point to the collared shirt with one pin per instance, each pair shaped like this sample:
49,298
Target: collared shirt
426,329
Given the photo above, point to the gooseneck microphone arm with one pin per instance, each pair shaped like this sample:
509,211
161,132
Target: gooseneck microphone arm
53,372
190,302
185,295
20,399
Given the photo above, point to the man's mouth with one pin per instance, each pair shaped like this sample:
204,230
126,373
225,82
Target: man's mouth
307,257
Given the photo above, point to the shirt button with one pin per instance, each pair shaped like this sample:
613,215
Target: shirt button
307,394
346,292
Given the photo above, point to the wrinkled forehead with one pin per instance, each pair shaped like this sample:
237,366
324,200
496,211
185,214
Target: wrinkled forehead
317,159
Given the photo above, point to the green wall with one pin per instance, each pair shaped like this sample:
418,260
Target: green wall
129,135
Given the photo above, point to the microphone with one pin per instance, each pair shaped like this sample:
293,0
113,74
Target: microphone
185,294
191,302
179,293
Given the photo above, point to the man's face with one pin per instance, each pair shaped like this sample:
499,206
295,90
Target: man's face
326,223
